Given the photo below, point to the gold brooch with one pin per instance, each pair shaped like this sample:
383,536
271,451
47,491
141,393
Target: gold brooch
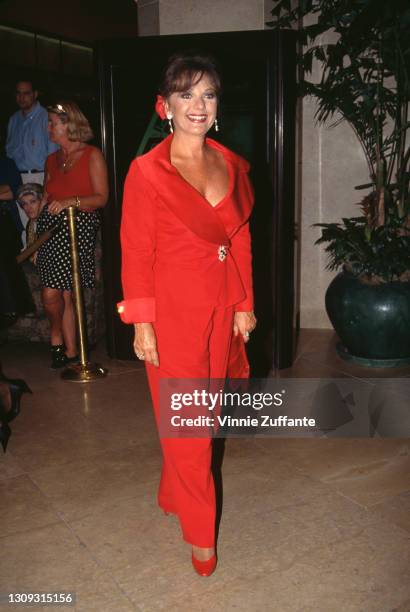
222,253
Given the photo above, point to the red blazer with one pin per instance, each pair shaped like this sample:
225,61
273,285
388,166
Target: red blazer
176,246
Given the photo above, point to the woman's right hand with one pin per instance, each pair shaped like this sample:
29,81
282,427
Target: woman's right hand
145,343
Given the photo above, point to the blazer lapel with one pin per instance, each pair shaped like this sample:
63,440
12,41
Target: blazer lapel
179,196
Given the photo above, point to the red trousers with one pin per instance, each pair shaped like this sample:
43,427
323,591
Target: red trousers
191,345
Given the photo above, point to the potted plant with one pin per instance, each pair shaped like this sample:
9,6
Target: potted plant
365,80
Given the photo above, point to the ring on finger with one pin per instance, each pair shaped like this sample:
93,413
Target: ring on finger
247,334
140,355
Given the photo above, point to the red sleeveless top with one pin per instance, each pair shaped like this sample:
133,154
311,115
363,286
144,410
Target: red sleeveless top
75,182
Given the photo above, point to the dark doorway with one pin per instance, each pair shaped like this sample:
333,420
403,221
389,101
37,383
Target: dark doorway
257,120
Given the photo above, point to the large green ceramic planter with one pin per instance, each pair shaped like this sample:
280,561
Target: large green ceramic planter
372,321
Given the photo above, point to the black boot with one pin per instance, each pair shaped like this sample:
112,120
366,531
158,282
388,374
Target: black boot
5,431
16,391
17,386
58,356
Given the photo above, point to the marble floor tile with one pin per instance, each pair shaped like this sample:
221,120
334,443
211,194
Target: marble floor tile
404,606
395,510
368,471
311,339
77,439
301,574
70,416
51,559
122,407
323,351
305,367
44,412
130,532
295,591
79,487
128,539
9,466
328,458
307,525
23,506
77,432
369,485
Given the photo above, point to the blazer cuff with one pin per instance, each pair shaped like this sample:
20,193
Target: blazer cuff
245,306
137,310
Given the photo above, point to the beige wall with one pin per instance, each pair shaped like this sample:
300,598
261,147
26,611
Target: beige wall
332,160
193,16
332,163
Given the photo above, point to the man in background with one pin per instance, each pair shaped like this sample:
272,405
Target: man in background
28,143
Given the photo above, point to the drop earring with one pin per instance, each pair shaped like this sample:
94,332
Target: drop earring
216,126
171,129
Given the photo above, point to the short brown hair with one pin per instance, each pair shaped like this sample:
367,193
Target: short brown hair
184,70
78,127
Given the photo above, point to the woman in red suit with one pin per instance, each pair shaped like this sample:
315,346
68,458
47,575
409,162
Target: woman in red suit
186,275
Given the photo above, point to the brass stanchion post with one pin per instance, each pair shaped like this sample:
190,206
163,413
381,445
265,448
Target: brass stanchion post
84,371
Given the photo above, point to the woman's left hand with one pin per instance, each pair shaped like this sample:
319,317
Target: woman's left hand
56,206
244,323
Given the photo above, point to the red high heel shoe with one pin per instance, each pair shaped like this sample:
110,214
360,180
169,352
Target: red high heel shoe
204,568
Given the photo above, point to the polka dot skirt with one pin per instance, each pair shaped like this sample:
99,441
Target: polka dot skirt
53,259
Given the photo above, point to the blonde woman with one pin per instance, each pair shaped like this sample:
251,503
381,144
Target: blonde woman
76,175
30,198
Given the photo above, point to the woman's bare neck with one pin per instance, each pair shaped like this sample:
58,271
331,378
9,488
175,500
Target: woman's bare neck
185,147
71,145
